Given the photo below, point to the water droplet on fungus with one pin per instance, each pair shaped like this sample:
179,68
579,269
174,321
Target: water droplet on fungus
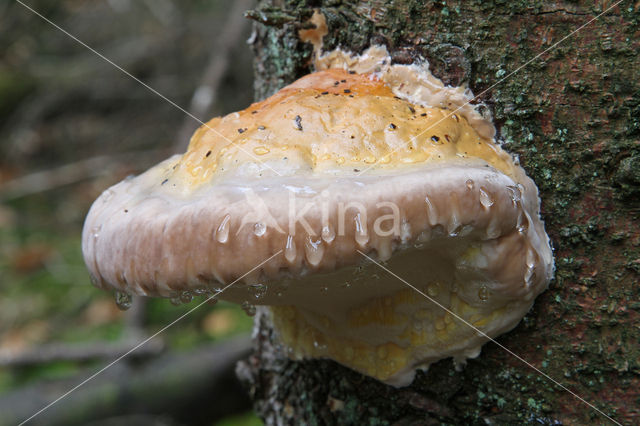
123,300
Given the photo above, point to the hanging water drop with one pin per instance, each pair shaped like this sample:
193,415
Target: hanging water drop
514,194
248,308
222,233
384,249
528,277
531,258
95,231
290,249
199,291
328,234
362,238
454,229
93,279
432,214
319,346
454,225
483,293
259,229
314,250
186,297
485,198
523,223
258,290
530,261
123,300
405,230
470,184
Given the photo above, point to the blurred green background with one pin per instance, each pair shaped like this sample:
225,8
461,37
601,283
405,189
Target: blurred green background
71,125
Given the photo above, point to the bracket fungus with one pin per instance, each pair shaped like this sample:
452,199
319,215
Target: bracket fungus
360,157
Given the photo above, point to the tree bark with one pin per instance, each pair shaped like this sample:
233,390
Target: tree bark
572,115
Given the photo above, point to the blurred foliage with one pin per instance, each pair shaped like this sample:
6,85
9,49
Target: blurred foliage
60,104
242,420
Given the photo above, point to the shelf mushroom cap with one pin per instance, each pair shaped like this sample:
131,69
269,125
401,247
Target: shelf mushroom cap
359,158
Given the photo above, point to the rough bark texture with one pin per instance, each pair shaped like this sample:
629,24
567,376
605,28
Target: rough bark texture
573,117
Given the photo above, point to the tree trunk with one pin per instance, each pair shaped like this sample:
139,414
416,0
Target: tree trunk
572,115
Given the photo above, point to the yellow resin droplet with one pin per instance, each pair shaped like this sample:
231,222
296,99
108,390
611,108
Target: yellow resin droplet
261,150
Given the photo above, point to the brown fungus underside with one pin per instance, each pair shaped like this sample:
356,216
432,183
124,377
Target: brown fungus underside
361,157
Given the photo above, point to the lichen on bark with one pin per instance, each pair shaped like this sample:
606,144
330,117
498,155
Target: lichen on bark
571,112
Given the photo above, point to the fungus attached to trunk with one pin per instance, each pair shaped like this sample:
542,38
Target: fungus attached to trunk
359,157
